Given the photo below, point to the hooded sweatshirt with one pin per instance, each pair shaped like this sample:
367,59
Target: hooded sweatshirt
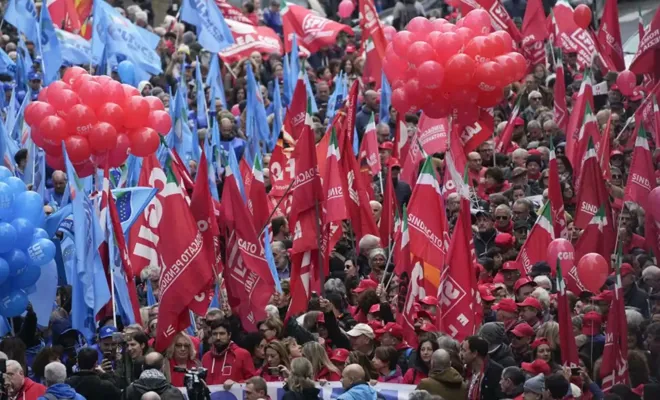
62,391
152,380
447,384
232,363
361,391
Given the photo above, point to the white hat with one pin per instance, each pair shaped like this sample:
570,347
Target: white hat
361,329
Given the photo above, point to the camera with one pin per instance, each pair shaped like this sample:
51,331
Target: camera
194,382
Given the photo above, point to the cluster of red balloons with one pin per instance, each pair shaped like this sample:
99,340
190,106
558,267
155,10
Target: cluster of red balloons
98,119
446,69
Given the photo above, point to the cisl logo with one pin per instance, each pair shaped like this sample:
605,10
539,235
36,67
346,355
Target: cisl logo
313,22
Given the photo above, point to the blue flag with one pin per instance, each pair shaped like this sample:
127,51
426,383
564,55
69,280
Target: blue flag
7,65
310,93
5,141
334,97
200,97
43,298
35,168
122,297
214,80
180,137
151,299
130,203
256,121
212,30
385,101
271,261
210,166
75,49
51,54
233,164
277,119
294,62
23,15
288,82
90,290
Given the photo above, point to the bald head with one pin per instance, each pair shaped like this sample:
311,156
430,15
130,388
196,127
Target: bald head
59,181
440,360
153,360
150,396
353,372
370,99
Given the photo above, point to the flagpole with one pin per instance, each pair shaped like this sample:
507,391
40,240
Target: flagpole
318,242
380,178
387,263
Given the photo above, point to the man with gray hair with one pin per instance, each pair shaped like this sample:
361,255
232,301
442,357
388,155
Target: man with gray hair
512,382
54,376
443,379
651,279
383,133
16,383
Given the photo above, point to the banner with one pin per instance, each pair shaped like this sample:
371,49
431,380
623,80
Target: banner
331,390
248,39
75,49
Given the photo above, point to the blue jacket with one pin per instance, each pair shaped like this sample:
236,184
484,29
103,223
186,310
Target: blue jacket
62,391
361,391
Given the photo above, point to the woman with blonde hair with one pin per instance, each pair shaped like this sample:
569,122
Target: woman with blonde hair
277,355
181,353
271,328
299,383
321,364
292,346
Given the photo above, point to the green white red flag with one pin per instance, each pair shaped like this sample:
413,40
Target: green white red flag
641,177
560,110
647,58
555,197
577,117
369,148
535,247
588,132
569,353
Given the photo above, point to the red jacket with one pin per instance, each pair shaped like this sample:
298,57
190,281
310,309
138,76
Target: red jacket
413,377
233,363
264,372
31,390
328,375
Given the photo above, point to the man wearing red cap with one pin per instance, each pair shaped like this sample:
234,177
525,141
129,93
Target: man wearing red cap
511,273
392,335
592,326
523,288
429,304
521,337
506,312
530,311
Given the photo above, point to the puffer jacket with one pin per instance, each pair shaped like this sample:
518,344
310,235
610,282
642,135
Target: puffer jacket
447,384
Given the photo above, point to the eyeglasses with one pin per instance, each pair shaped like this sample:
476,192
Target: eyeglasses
182,346
536,98
501,218
617,176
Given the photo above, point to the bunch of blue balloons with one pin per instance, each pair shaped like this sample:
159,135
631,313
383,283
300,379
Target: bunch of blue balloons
24,246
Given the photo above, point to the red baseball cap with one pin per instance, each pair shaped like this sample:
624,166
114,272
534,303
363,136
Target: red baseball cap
339,355
539,342
423,314
393,329
523,329
614,87
636,95
626,269
365,284
536,367
504,240
386,146
428,327
511,266
394,162
485,293
350,49
531,302
429,301
605,296
591,323
522,282
508,305
375,325
320,319
518,121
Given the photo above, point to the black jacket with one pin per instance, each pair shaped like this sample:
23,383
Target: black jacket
92,385
306,394
503,356
152,381
636,297
484,241
490,384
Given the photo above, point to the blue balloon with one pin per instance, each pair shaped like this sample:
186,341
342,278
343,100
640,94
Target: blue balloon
41,252
5,173
6,201
16,259
8,237
20,95
24,231
4,271
13,304
39,234
126,71
27,278
16,184
30,205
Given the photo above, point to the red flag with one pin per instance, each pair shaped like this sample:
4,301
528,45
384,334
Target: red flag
335,187
303,271
569,353
314,32
588,132
432,137
294,120
614,369
534,33
455,162
248,39
369,148
426,218
535,247
351,112
647,58
560,110
641,177
372,72
457,293
257,199
401,139
371,27
609,35
281,172
503,142
556,198
231,13
178,246
472,136
414,294
576,119
604,151
568,36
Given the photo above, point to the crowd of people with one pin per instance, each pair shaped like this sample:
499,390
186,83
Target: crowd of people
352,331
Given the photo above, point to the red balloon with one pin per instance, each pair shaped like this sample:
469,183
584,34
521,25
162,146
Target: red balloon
420,52
63,100
593,269
160,121
506,38
467,115
438,23
446,45
36,111
477,49
400,100
113,92
55,162
495,45
102,138
401,42
419,25
394,66
85,169
463,96
561,250
509,68
73,72
582,16
389,32
626,81
80,119
459,69
112,114
144,141
77,147
53,129
466,34
130,91
102,79
43,95
137,111
521,64
654,203
437,109
489,99
77,82
478,20
89,94
489,76
118,155
431,74
58,85
155,103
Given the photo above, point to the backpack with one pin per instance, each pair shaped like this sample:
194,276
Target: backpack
50,396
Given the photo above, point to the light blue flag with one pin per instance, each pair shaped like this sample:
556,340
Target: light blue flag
134,165
215,303
35,168
12,111
385,101
191,329
124,40
212,30
75,49
19,130
43,297
51,54
7,65
271,261
256,120
130,203
89,284
23,15
200,97
211,175
66,197
288,83
277,119
356,142
180,136
68,248
214,80
122,298
294,62
310,93
5,143
23,65
233,164
151,299
334,97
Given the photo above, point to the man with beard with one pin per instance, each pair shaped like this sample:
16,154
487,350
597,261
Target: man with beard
226,362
